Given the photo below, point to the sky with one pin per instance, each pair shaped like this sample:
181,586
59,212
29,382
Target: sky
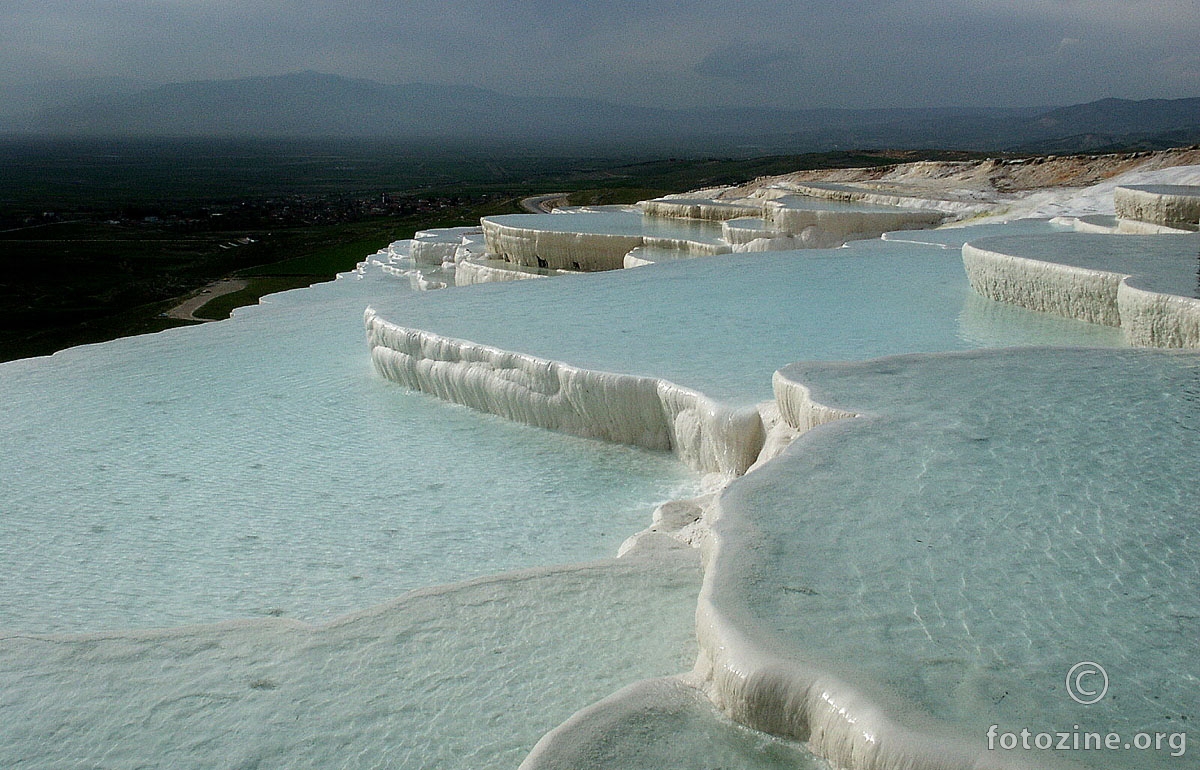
700,53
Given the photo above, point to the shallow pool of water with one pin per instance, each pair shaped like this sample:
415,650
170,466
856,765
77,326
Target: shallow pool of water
259,466
1169,264
994,519
724,324
615,223
459,676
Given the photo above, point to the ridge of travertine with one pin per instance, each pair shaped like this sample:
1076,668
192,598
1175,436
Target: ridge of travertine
754,687
791,698
751,685
642,411
999,177
1112,297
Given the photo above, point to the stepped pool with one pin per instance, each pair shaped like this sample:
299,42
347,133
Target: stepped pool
258,472
1167,264
467,675
722,325
938,564
258,467
613,221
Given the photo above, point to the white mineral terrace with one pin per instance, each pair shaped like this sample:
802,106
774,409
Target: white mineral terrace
470,271
1149,286
1175,206
922,199
885,555
683,227
741,231
700,208
795,611
641,411
825,228
1114,225
593,241
841,713
433,247
747,677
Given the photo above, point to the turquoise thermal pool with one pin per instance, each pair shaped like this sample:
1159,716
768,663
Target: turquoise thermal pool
618,222
211,532
692,322
988,521
1168,264
259,467
454,676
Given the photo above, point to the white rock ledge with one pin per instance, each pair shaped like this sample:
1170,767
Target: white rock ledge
790,698
1176,206
1146,318
641,411
1048,287
472,271
697,208
433,247
821,228
1158,320
558,250
797,407
582,252
925,200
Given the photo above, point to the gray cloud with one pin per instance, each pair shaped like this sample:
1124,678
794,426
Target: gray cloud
742,63
760,52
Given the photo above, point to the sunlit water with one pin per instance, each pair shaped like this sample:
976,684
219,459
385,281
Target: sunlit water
723,325
992,520
260,467
618,222
257,468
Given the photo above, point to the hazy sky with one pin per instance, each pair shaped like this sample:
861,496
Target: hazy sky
796,53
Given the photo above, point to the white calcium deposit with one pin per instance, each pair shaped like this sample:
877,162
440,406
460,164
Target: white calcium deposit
1048,287
1158,320
1168,205
433,247
926,202
642,411
575,251
558,250
1146,316
468,272
697,208
820,228
783,696
1099,198
747,676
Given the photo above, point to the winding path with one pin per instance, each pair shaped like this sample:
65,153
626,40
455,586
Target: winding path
185,311
544,204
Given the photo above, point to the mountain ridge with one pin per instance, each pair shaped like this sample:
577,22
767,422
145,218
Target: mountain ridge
315,104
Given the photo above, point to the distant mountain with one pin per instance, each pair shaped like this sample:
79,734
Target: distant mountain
312,104
301,104
1122,116
1110,123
